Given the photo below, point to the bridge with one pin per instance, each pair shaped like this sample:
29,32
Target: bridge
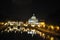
46,32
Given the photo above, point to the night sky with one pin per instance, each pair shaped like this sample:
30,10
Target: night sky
23,10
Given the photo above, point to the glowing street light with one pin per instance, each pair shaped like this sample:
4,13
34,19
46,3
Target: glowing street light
32,25
52,38
5,23
52,27
43,35
38,25
25,24
57,28
42,24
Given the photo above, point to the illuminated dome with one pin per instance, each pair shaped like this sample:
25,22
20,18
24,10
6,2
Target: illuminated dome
33,17
33,20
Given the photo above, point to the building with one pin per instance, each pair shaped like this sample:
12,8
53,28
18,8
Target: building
33,20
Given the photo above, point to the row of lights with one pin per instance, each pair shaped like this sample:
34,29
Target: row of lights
55,28
30,31
45,36
33,31
41,25
38,32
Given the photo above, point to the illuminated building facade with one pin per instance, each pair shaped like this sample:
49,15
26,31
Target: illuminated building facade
33,20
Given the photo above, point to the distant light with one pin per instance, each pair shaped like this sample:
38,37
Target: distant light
57,27
52,38
43,35
15,31
2,23
40,33
42,24
52,27
8,31
5,23
30,32
32,25
38,25
11,24
14,28
25,24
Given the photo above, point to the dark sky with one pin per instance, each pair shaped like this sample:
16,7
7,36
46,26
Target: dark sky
48,10
23,9
16,9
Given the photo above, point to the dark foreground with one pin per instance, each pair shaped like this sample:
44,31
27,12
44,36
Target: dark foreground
18,36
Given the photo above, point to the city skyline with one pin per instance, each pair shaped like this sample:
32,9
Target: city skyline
30,20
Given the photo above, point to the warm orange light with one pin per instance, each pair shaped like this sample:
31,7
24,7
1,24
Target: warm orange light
5,23
25,24
57,27
38,25
43,35
42,24
52,38
52,27
32,25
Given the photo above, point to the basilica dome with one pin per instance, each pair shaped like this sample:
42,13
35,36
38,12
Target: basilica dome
33,20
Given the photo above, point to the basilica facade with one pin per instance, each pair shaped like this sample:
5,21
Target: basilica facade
33,20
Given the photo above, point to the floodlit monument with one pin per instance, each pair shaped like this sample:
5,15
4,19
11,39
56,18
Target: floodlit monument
33,20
